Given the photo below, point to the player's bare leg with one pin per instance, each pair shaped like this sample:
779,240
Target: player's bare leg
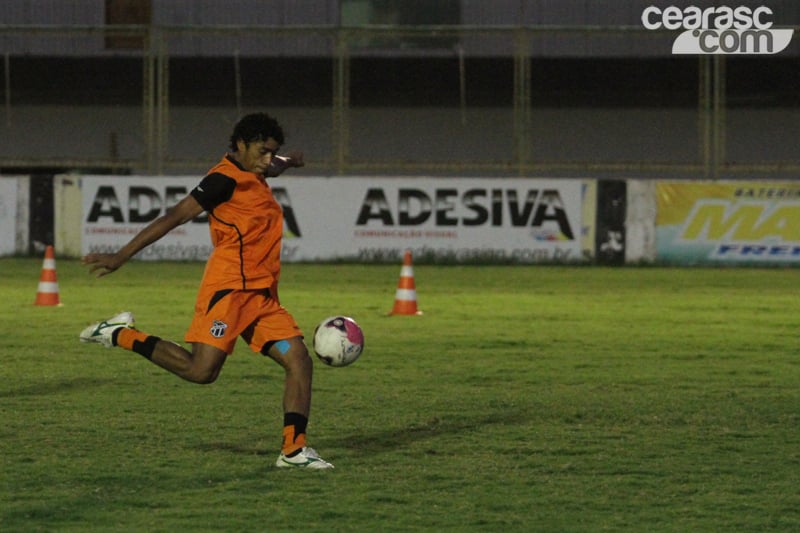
292,355
201,365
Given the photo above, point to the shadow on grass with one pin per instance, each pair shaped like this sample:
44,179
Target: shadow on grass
394,438
234,448
446,425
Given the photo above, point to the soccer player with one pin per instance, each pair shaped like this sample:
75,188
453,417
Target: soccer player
238,295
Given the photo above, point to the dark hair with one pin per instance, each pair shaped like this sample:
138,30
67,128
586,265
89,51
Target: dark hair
256,127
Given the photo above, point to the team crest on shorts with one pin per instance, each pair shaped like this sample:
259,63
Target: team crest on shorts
218,329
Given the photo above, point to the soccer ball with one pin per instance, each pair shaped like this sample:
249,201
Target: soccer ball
338,341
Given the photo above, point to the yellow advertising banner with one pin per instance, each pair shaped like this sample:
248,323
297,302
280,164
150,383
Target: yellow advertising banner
728,222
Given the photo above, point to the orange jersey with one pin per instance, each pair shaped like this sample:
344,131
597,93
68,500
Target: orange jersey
246,225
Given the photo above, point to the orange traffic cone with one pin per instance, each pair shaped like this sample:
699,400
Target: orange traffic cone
48,285
405,300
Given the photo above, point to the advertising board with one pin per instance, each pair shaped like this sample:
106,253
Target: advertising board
361,218
728,222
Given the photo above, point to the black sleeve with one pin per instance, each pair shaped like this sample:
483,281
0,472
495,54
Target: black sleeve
213,190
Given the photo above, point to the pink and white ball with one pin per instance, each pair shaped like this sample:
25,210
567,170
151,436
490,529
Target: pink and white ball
338,341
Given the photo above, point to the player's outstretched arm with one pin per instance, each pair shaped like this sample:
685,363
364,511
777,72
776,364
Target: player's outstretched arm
281,162
183,212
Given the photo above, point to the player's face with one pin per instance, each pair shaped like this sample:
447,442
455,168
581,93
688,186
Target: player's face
256,156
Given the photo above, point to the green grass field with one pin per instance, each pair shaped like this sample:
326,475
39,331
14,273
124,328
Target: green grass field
525,399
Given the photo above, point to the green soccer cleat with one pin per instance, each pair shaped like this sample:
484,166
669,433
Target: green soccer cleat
307,458
102,332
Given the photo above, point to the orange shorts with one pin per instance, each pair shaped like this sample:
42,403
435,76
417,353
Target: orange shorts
220,317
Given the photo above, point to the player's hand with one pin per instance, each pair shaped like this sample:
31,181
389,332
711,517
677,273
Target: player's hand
281,162
295,159
102,264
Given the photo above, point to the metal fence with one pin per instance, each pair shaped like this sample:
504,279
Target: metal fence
389,100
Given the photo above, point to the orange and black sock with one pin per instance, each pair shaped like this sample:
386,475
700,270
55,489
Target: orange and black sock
294,433
136,341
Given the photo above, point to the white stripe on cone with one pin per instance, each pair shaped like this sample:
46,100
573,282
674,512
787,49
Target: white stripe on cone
406,294
48,287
